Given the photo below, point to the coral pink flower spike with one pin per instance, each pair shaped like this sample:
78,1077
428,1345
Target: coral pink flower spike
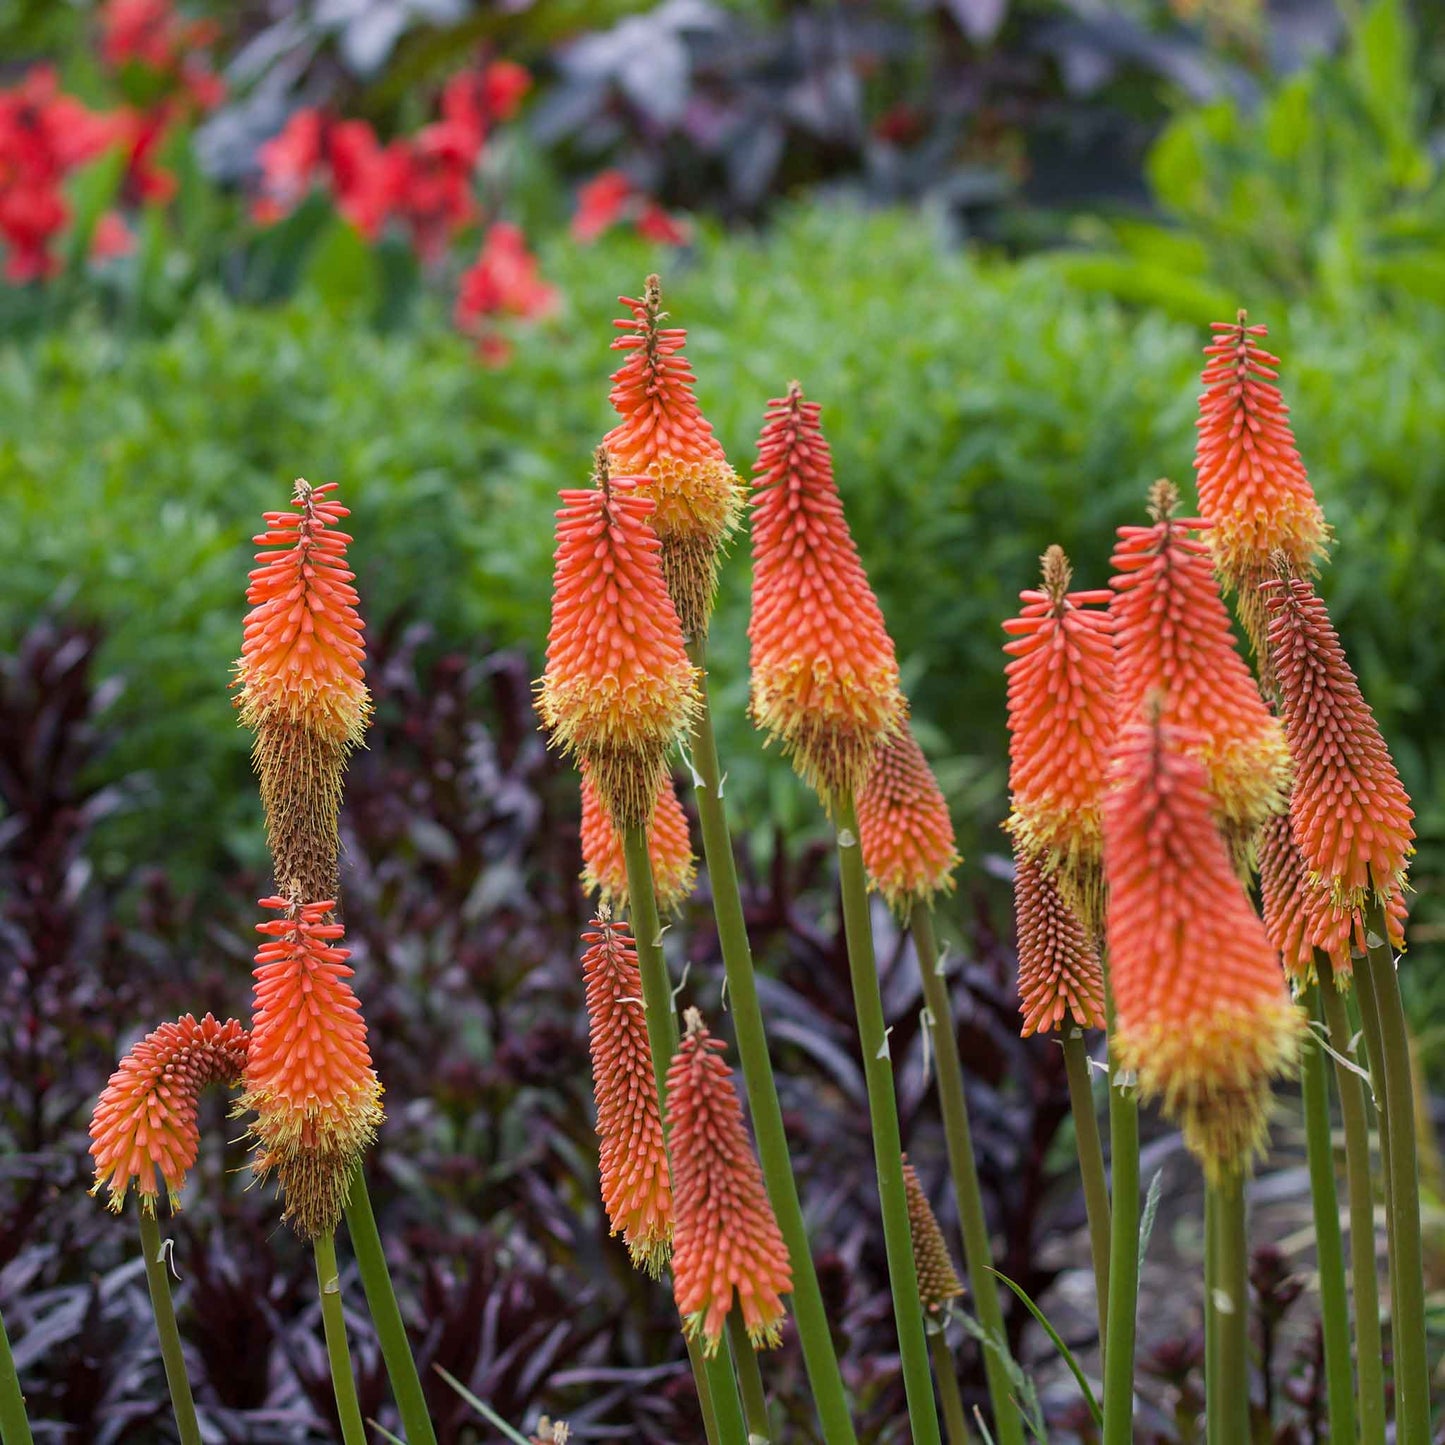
669,847
1060,973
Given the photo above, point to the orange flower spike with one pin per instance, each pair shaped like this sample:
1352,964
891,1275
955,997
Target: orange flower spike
903,826
938,1281
824,674
1253,489
1202,1011
1173,638
144,1123
725,1236
664,438
618,690
1059,968
1061,719
1297,918
1351,817
669,845
636,1187
308,1077
301,686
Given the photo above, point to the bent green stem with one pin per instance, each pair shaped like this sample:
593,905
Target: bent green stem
955,1421
750,1380
333,1323
814,1333
1229,1394
1091,1165
887,1140
1360,1181
385,1313
164,1310
1123,1253
1329,1247
958,1137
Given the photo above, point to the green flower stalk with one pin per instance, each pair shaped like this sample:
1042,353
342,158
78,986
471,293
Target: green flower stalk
333,1321
14,1426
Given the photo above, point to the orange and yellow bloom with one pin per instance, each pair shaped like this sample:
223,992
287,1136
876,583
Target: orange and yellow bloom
824,675
1059,968
669,847
143,1130
938,1281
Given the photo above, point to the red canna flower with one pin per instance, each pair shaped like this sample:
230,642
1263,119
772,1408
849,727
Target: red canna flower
301,686
1350,815
475,98
654,224
618,690
308,1076
636,1187
610,198
1173,639
1061,711
903,826
1059,968
502,281
725,1236
1201,1008
1253,490
824,675
604,871
144,1123
664,438
938,1281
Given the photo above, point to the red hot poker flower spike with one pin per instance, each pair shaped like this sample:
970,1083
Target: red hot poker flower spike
904,827
636,1187
725,1236
1059,968
1202,1010
618,690
664,438
938,1281
1061,721
309,1078
824,674
1173,639
144,1123
1253,490
301,687
669,845
1351,816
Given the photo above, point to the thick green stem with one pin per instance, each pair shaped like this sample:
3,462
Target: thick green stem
716,1385
1123,1254
887,1141
1329,1247
750,1381
977,1245
14,1427
1229,1395
165,1313
1363,1283
1380,1086
1211,1318
703,1386
814,1334
1091,1165
1412,1376
385,1314
333,1322
955,1421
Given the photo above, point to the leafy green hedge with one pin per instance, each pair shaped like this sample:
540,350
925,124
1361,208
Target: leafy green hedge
977,412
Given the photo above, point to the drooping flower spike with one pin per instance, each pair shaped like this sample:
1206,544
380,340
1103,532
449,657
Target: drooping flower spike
1350,815
938,1281
669,846
618,690
143,1130
904,827
636,1187
1202,1012
1253,490
1173,642
726,1240
824,675
1060,973
309,1078
1061,721
301,686
664,438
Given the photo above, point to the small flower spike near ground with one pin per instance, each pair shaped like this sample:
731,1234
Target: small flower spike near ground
301,686
618,690
938,1281
824,675
143,1131
669,845
1061,979
664,438
726,1242
636,1187
308,1078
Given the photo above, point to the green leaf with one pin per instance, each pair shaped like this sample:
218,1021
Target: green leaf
1059,1344
1151,1209
341,268
92,190
482,1408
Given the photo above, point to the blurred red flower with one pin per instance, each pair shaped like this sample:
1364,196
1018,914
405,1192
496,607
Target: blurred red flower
610,198
502,281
